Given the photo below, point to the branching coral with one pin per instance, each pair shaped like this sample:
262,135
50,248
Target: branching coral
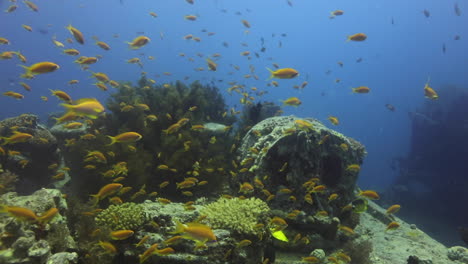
124,216
235,214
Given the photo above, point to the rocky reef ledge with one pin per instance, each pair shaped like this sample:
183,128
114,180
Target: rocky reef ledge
24,242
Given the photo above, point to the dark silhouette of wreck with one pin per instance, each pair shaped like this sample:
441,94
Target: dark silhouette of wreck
432,184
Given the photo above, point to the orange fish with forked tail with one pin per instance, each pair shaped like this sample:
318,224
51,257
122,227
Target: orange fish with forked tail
105,191
194,231
285,73
88,107
19,213
429,92
17,137
39,68
357,37
126,137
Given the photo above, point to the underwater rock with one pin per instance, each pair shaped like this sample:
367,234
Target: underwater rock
8,181
39,251
458,253
62,133
21,245
393,246
416,260
35,155
285,154
318,253
63,258
33,242
291,156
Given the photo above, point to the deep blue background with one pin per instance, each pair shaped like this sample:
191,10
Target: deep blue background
397,59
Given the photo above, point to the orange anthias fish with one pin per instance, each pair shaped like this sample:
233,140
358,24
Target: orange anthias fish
147,254
337,13
393,209
139,42
76,34
17,137
13,94
88,107
246,188
61,95
121,234
195,231
126,137
373,195
19,213
105,191
293,101
361,89
103,45
48,215
429,92
334,120
285,73
211,64
39,68
357,37
32,6
392,226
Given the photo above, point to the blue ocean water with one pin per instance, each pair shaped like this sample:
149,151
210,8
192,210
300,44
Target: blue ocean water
403,49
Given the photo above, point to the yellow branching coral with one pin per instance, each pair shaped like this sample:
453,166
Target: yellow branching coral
124,216
241,216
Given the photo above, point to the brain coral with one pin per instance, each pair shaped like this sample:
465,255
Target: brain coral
124,216
235,214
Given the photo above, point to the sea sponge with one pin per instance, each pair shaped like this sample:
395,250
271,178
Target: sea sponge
235,214
123,216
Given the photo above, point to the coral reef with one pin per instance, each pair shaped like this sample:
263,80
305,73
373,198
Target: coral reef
278,141
458,253
29,160
7,182
151,110
284,159
236,215
359,251
123,216
36,242
295,180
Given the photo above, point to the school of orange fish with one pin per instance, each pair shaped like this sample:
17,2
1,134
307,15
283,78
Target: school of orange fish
90,108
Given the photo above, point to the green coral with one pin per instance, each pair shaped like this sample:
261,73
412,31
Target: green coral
124,216
239,215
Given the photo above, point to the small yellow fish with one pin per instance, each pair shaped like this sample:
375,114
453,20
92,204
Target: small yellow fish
334,120
429,92
199,233
285,73
139,42
392,226
127,137
393,209
76,34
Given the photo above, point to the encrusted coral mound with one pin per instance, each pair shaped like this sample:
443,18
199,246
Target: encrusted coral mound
235,214
292,151
124,216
